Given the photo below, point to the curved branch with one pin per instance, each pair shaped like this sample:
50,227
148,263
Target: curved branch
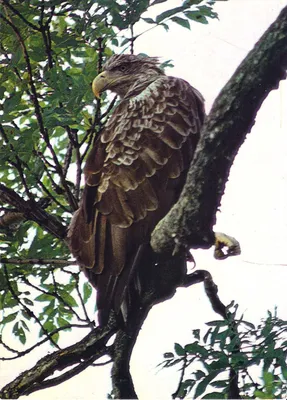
190,222
84,353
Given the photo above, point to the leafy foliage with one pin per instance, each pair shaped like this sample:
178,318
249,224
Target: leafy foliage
50,53
234,349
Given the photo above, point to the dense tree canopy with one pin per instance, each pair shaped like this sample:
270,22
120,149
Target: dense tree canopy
50,53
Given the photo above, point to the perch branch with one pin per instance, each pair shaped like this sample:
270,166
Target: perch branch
190,222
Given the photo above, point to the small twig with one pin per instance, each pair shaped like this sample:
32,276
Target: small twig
9,349
89,143
50,17
102,363
133,38
110,107
76,277
67,159
176,393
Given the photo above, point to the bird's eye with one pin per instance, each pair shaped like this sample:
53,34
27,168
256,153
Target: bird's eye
123,68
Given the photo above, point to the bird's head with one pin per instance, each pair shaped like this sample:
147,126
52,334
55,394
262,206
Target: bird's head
122,71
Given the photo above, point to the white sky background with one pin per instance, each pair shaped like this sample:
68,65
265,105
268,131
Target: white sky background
253,208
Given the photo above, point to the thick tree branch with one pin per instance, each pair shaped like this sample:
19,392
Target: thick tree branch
83,353
190,222
32,212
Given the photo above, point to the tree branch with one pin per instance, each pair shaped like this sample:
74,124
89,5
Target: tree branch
84,353
33,212
190,222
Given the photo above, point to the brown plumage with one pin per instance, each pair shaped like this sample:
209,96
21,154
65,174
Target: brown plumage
134,173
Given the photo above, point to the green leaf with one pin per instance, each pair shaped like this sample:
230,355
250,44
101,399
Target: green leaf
268,383
261,395
44,297
88,290
217,323
195,348
283,368
207,11
9,318
179,350
239,360
206,336
213,395
199,374
2,91
201,387
220,384
62,322
19,333
157,2
168,14
28,301
196,333
11,103
220,364
181,21
69,299
25,326
56,337
196,16
149,20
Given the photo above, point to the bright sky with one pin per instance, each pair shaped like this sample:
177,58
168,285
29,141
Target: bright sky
253,208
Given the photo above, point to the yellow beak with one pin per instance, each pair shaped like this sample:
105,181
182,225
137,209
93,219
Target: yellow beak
99,83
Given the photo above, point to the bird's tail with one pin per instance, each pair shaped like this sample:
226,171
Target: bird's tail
101,249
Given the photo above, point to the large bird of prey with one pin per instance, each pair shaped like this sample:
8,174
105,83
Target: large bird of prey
134,172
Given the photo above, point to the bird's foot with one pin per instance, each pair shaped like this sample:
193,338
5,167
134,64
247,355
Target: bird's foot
225,246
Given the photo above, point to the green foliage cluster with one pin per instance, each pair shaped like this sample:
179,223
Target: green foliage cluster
50,53
234,349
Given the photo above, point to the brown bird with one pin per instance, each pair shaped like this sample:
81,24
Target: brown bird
134,172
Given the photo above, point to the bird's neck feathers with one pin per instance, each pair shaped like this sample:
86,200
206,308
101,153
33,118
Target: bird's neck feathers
142,86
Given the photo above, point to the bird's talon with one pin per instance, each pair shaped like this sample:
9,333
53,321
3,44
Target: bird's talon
225,246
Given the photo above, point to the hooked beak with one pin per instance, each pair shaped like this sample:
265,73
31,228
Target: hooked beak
100,83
